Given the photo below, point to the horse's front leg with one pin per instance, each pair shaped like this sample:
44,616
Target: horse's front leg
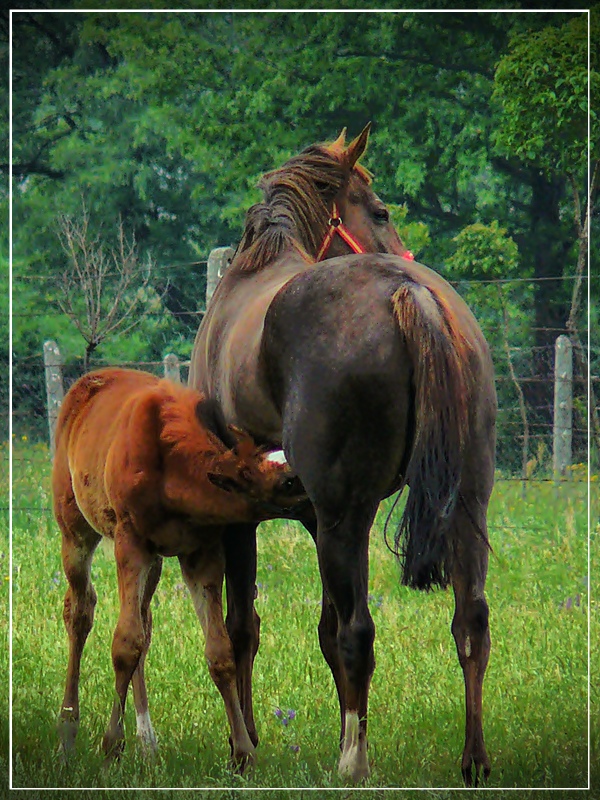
243,623
342,546
203,575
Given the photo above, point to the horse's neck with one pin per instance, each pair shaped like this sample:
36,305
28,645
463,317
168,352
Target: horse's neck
241,299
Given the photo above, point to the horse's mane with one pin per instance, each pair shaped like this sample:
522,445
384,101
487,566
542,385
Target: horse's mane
295,209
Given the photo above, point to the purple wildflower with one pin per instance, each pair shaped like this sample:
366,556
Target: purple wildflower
278,713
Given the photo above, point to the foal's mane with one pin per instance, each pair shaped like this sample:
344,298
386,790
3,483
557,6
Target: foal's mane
181,428
296,207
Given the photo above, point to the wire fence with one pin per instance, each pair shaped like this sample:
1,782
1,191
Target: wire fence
30,419
523,354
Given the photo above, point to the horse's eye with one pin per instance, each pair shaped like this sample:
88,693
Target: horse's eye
381,215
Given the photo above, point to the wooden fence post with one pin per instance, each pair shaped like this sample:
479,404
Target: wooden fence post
218,261
54,386
171,368
563,407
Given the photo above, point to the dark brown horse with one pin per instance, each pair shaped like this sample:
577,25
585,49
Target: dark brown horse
373,375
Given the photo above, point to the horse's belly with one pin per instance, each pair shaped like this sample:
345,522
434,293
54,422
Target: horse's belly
93,502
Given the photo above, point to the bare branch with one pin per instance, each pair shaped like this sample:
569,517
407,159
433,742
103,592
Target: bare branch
101,291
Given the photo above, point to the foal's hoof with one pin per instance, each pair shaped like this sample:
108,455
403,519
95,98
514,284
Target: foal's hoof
67,726
355,773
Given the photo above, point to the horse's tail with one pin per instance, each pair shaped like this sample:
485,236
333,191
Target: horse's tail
439,355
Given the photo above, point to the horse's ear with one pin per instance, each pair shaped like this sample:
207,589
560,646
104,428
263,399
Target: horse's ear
340,142
357,147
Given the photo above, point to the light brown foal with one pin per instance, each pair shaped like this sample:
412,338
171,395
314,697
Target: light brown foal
138,460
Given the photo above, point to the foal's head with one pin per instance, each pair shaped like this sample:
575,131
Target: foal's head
264,477
202,455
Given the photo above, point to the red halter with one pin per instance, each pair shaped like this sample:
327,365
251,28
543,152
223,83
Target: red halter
337,226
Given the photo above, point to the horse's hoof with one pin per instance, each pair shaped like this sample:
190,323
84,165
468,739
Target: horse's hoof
354,763
243,761
483,769
112,749
354,774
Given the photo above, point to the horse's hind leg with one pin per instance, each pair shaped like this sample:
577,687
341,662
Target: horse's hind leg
203,575
134,565
328,640
145,730
328,630
471,633
79,542
343,560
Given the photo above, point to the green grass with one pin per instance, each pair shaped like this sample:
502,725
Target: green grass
535,697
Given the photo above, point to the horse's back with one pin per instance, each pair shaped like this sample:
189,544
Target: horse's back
99,393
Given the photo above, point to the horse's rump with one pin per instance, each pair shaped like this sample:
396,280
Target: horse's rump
369,328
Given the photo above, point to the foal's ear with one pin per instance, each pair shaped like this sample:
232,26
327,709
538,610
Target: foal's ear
210,416
245,446
357,147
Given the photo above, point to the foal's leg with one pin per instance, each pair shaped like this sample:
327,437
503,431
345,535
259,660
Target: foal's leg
145,730
471,633
203,575
134,565
343,561
243,623
79,542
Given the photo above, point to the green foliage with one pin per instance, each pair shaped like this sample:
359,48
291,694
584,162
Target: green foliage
415,235
168,120
542,86
484,251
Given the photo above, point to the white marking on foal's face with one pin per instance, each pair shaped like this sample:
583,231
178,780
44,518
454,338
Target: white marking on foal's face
276,457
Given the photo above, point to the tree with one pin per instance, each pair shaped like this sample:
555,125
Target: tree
542,86
167,121
103,289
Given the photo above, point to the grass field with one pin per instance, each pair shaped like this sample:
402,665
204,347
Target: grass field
535,698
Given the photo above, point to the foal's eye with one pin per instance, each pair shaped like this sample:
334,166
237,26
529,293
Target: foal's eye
381,215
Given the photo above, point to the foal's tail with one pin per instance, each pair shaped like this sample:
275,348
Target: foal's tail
439,355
